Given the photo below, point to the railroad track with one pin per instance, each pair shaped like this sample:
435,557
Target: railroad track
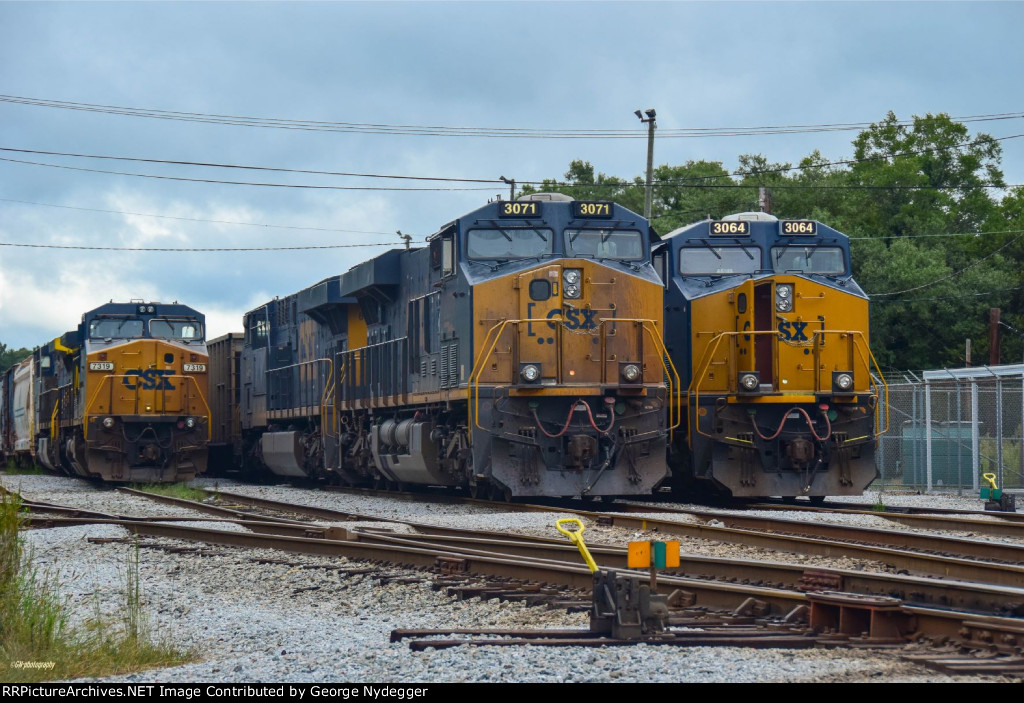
537,565
923,554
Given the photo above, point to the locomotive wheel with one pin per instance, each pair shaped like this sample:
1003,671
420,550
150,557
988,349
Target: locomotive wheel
499,494
817,500
477,490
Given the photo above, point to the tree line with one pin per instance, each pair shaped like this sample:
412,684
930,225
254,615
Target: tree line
937,237
10,357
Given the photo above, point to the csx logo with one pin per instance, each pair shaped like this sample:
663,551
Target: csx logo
148,380
572,318
576,319
793,331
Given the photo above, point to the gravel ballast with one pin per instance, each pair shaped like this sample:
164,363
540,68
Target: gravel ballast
250,618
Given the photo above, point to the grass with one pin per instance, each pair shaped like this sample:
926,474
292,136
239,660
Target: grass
35,625
11,468
174,490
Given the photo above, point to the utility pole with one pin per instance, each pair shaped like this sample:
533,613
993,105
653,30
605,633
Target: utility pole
511,187
993,337
764,200
651,124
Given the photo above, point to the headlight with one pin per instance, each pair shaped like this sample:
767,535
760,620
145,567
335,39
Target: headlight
108,422
190,423
749,381
571,279
784,297
842,381
631,372
530,372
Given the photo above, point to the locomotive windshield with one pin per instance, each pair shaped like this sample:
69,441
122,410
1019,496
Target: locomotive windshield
718,261
175,328
509,243
116,328
604,243
808,259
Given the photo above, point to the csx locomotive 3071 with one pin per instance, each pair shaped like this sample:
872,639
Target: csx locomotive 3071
122,398
772,342
519,354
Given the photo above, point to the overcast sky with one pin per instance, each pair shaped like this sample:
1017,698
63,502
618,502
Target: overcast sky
520,65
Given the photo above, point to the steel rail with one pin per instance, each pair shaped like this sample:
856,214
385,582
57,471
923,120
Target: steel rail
1012,529
931,621
714,595
755,532
987,596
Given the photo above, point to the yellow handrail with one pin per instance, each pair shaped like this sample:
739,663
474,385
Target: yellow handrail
328,390
488,345
860,344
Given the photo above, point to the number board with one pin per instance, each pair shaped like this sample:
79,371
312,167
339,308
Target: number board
799,227
731,227
507,208
591,209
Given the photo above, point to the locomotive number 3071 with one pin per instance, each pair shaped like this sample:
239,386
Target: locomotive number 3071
518,209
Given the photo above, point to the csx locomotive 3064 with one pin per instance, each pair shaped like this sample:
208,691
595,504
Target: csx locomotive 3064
772,341
520,353
122,398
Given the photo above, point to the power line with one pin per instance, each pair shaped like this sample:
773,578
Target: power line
182,249
623,185
952,275
943,234
463,131
250,168
195,219
235,183
950,297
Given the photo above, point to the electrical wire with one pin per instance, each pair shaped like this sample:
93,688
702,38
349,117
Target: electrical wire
637,132
179,249
194,219
236,183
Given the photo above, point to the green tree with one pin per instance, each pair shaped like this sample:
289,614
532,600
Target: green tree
10,357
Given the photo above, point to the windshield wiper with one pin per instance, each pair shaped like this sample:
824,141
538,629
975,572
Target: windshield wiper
712,249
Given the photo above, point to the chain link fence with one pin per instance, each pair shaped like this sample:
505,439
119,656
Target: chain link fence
947,428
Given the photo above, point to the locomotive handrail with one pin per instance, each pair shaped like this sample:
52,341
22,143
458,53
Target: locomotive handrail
109,377
818,337
324,405
473,383
300,385
885,385
650,326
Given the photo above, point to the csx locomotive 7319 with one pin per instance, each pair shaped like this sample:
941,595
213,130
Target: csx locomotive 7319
520,353
122,398
772,342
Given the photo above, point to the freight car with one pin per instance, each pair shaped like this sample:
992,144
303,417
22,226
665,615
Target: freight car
16,413
772,342
122,398
519,353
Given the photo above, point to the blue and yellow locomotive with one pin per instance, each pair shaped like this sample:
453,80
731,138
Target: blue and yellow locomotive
520,353
123,397
772,343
